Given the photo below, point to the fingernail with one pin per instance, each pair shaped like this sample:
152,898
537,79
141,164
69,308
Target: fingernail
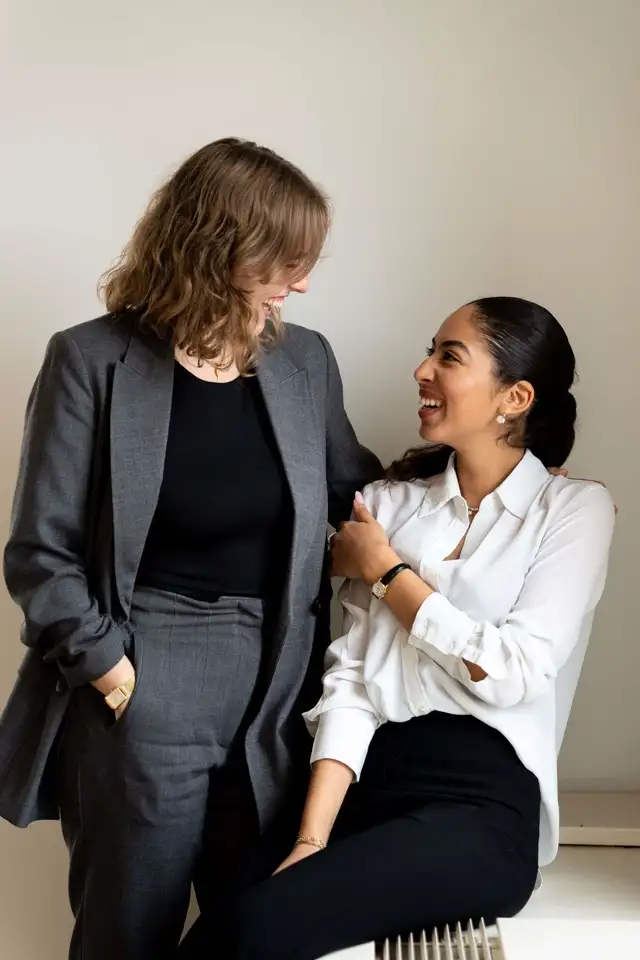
359,497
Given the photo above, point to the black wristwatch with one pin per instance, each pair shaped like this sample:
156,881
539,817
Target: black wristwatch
380,587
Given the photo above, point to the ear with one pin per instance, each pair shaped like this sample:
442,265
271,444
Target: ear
518,399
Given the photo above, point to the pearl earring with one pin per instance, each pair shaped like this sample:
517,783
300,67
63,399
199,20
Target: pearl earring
501,418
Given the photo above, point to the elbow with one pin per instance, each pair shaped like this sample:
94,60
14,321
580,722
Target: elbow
507,698
499,695
12,570
502,694
507,693
476,673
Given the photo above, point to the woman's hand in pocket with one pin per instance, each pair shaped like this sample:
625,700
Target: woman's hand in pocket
121,709
122,675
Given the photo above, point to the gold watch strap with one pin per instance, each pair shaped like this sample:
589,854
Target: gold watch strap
120,694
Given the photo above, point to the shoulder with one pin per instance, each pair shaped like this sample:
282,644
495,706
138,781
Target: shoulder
302,339
585,501
306,348
107,336
94,346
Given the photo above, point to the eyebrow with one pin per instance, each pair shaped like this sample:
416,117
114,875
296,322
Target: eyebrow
448,344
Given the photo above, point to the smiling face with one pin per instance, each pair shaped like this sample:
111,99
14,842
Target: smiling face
460,398
268,298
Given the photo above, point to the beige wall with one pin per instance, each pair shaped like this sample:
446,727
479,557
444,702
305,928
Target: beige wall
470,146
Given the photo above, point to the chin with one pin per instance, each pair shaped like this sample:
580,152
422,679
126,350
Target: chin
434,437
429,434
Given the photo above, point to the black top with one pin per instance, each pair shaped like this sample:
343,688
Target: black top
223,521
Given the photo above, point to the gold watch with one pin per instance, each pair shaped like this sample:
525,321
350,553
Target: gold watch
120,694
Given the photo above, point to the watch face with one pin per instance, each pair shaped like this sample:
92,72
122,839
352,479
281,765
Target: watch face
116,698
378,590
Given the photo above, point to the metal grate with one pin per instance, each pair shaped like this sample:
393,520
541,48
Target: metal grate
453,944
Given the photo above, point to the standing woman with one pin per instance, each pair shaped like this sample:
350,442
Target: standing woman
167,544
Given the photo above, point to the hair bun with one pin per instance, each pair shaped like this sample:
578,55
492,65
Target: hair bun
550,428
566,402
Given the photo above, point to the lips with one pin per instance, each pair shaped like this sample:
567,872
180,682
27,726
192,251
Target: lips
429,406
273,304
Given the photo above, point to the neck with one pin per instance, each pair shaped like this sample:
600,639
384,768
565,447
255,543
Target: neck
208,370
481,470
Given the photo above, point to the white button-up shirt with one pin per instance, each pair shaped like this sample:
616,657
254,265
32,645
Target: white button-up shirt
516,602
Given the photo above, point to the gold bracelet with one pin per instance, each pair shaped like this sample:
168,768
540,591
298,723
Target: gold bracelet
312,841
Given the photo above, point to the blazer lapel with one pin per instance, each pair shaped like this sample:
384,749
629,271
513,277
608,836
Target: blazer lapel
287,397
140,415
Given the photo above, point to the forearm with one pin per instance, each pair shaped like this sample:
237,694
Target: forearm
328,787
120,674
405,596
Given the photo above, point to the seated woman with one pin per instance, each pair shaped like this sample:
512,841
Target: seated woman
472,575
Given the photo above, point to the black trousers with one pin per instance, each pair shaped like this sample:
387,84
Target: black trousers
140,797
443,827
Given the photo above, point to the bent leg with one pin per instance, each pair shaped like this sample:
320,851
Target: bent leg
442,864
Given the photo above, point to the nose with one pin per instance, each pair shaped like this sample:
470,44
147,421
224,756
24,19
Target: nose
425,370
301,286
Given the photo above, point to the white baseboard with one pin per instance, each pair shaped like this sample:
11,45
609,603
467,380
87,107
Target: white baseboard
600,819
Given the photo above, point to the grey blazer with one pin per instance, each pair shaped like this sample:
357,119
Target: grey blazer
90,473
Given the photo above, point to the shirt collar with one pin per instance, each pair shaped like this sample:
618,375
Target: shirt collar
441,490
516,493
523,485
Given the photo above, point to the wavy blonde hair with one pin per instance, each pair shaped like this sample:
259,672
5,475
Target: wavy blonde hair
232,214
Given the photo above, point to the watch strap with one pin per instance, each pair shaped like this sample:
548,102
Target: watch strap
393,573
379,588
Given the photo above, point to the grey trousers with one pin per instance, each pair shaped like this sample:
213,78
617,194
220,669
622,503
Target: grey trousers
136,794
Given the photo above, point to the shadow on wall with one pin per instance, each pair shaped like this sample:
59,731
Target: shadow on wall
34,861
